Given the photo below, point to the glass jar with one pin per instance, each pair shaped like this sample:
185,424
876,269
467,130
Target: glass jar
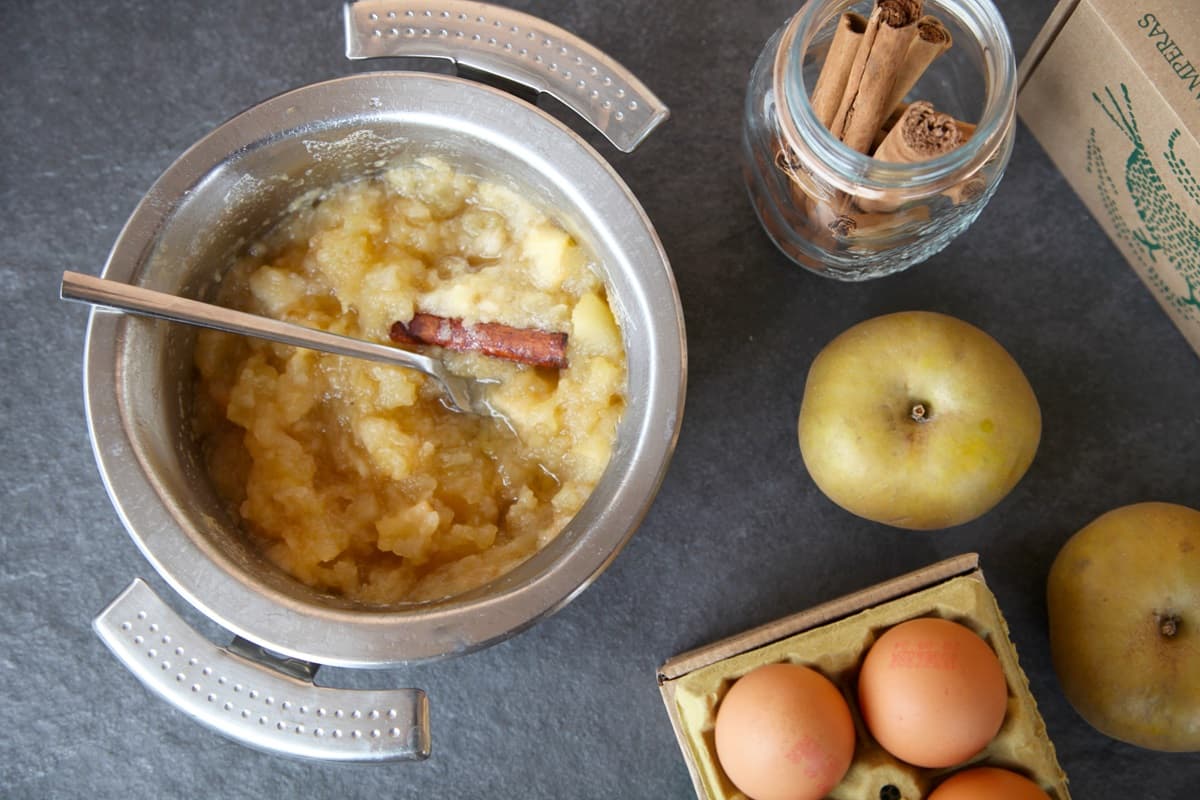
844,214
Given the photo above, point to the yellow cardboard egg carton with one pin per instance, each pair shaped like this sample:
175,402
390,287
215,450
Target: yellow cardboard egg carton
833,638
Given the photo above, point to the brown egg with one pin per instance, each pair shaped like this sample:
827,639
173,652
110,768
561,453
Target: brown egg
932,692
784,732
988,783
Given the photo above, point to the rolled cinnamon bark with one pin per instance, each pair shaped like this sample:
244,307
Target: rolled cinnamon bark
831,216
968,191
835,72
822,211
865,228
523,345
967,128
889,34
922,133
932,39
786,160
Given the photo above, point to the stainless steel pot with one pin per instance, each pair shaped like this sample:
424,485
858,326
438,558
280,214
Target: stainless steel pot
229,187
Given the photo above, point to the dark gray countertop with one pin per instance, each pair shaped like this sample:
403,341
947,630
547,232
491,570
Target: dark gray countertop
99,97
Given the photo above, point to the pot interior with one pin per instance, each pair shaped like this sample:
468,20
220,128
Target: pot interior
228,190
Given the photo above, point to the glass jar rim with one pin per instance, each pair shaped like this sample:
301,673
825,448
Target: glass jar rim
852,171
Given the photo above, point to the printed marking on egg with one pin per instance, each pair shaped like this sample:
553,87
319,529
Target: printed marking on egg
932,692
784,732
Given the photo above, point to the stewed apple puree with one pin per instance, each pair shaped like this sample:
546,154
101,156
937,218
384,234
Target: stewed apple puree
351,475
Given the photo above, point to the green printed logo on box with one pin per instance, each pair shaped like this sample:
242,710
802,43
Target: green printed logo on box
1163,238
1113,95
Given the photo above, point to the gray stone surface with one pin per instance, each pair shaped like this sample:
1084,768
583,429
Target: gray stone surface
97,98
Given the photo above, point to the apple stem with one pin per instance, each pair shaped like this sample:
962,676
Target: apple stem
1168,625
919,413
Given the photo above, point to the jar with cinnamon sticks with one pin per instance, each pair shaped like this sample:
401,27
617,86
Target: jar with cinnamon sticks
876,131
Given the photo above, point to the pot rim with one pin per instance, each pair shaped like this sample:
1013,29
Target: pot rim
206,577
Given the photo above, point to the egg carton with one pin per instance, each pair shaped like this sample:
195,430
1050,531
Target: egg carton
833,638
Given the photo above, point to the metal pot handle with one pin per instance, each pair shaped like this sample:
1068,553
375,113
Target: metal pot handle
253,704
516,47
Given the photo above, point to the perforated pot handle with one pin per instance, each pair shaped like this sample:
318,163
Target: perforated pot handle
516,47
254,704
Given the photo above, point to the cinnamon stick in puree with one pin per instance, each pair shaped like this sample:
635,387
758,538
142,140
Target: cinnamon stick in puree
884,46
523,345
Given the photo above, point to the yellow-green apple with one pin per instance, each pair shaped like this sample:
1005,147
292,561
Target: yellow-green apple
917,420
1123,598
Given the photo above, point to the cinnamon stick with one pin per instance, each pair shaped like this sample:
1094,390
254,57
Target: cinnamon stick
786,161
523,345
921,133
967,128
864,228
831,215
823,210
835,72
932,39
885,42
967,191
853,221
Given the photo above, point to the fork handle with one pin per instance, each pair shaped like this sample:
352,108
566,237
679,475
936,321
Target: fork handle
150,303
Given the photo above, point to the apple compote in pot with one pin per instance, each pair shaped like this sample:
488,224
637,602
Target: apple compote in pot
353,476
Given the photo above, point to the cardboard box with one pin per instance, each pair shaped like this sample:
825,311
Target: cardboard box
833,638
1112,91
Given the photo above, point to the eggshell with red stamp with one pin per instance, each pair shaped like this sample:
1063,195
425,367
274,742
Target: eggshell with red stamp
932,692
784,732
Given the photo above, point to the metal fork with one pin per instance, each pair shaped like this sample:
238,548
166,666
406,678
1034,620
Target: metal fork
459,393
